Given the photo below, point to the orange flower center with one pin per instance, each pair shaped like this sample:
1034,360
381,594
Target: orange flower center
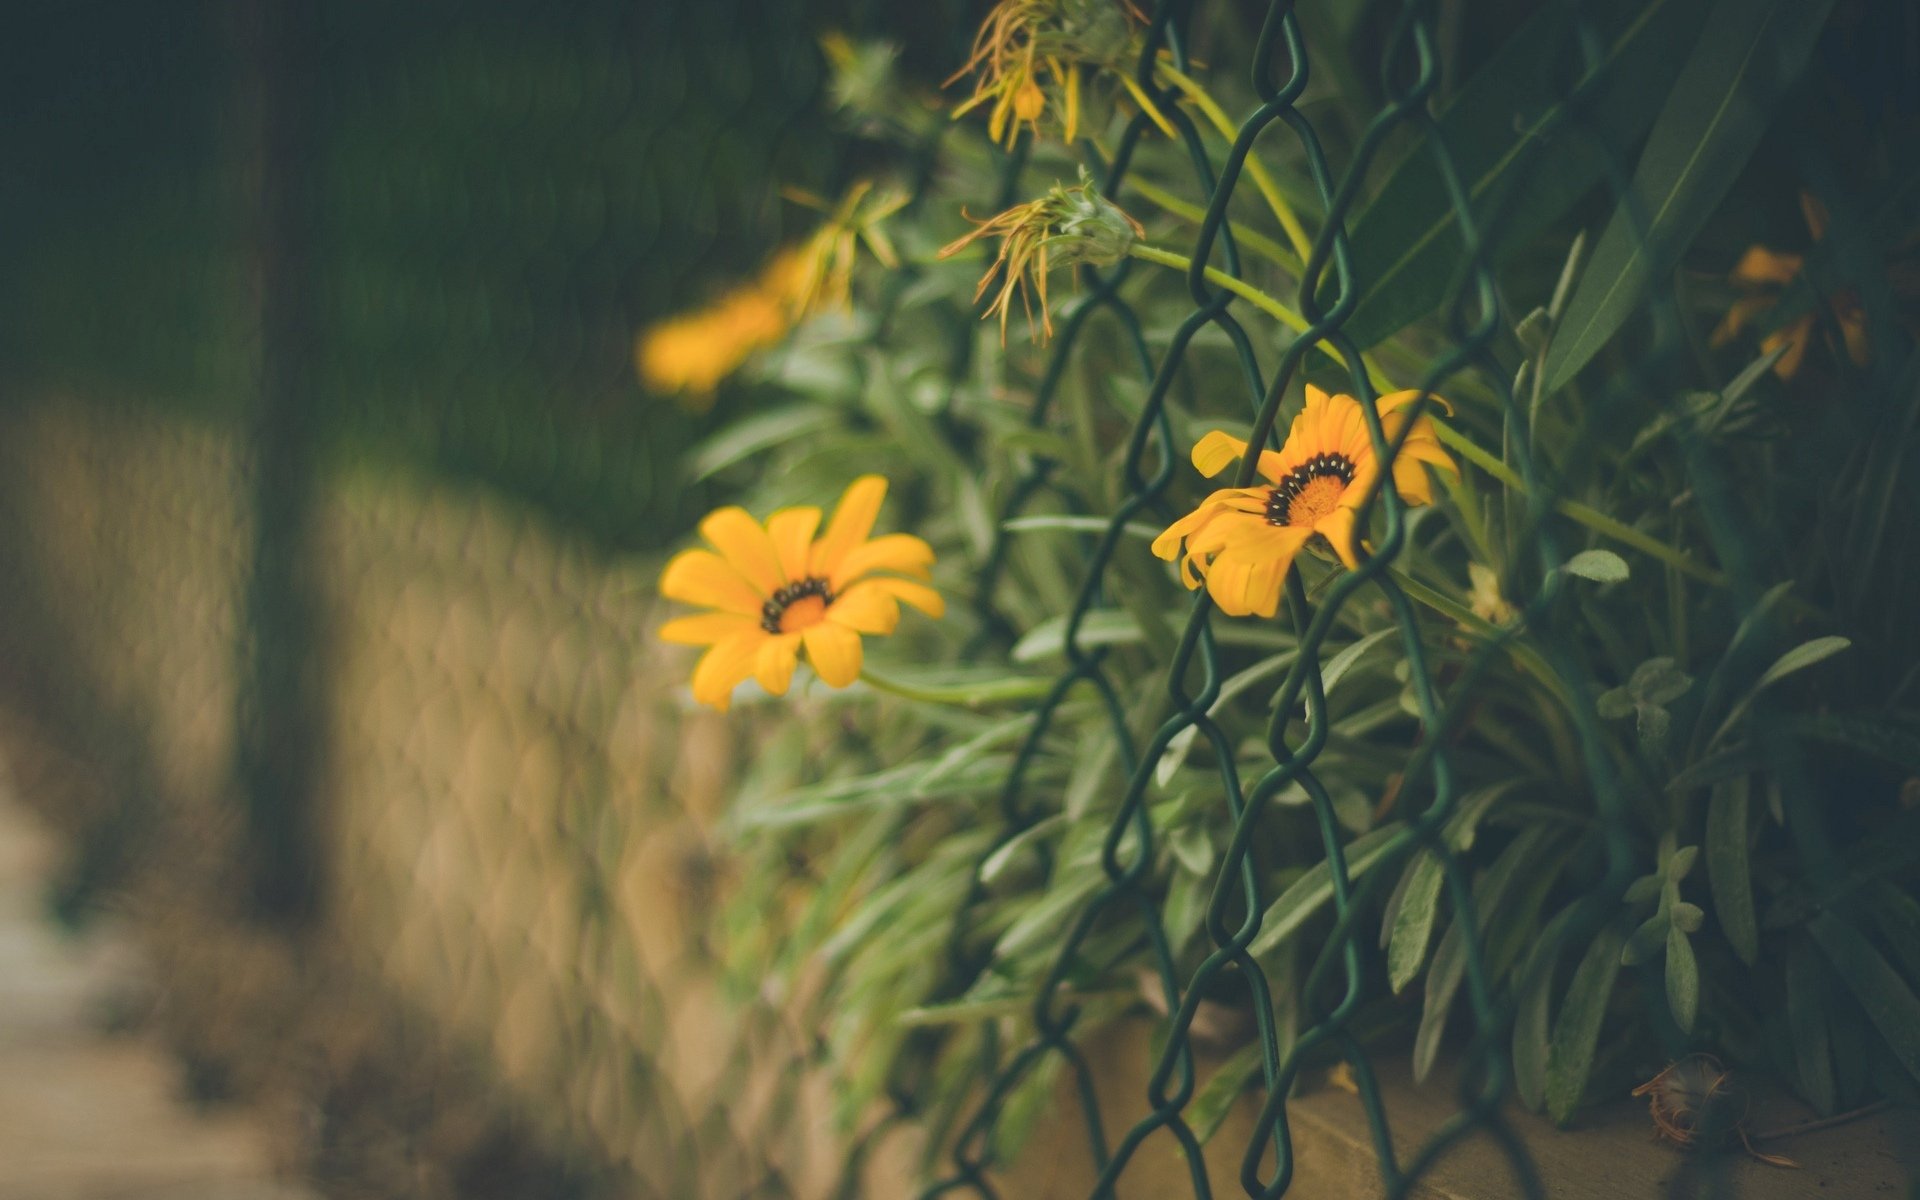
1310,491
796,606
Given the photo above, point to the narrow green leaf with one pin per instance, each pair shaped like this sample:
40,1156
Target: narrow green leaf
1506,134
1747,55
1601,566
998,862
1215,1099
1800,658
1577,1033
1807,1017
1413,923
1096,525
1728,872
1531,1025
1889,1002
1797,659
1898,915
743,439
1683,979
1314,889
1449,967
1341,663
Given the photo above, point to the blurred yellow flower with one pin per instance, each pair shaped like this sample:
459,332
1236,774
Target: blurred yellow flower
777,589
1764,275
691,353
1029,56
1241,541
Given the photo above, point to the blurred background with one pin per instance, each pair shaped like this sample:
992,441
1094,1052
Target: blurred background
328,500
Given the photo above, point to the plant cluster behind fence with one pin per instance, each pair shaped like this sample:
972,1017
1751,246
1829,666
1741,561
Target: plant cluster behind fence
1529,698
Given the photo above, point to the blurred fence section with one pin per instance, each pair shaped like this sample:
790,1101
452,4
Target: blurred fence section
320,449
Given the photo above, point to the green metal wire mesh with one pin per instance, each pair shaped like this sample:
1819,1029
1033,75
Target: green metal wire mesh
458,295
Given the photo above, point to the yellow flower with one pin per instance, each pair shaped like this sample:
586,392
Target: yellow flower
691,353
1026,48
776,589
1484,597
1065,227
822,274
1240,541
1764,275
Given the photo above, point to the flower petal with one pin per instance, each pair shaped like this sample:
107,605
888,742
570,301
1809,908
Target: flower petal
773,663
1394,401
1761,265
1339,527
834,651
1226,500
706,628
704,578
745,545
866,607
919,595
852,521
1247,577
895,552
1217,451
791,531
723,668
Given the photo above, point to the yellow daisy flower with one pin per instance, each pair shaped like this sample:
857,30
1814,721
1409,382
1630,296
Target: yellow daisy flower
776,589
1240,541
1763,275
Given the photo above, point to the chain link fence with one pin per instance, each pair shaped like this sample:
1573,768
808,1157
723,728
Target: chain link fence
350,596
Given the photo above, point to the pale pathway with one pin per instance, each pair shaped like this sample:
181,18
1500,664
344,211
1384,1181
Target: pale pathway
86,1114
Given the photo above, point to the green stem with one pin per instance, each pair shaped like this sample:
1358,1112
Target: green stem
1252,295
1270,191
1452,609
1193,214
1586,515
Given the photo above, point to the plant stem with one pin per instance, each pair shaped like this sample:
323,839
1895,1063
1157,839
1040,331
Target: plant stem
1193,214
1452,609
1251,295
1586,515
1282,211
1767,1135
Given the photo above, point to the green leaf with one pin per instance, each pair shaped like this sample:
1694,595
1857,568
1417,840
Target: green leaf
997,862
1314,888
1413,923
1728,872
1341,663
1800,658
1211,1104
1807,1017
746,438
1530,1022
1797,659
1721,103
1601,566
1577,1033
1095,525
1683,979
1450,959
1898,916
1870,733
1508,136
1889,1002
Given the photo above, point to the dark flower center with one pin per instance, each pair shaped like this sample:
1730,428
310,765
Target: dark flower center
1321,466
776,608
